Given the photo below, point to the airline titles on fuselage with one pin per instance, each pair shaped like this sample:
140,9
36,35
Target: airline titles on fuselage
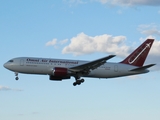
50,61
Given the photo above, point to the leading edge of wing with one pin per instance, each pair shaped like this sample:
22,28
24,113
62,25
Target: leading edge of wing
92,64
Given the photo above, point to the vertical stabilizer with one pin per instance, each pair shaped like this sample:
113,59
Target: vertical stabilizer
138,57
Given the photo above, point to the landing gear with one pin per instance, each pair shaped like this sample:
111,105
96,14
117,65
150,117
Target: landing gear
16,78
16,74
78,82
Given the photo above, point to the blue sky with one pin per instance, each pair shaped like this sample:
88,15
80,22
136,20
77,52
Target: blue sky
71,29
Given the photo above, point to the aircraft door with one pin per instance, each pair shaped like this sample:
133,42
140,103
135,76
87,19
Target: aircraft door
116,68
21,62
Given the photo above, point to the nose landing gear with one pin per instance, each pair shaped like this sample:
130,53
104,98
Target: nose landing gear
16,74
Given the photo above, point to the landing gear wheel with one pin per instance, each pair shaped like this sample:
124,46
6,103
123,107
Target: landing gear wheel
74,84
16,78
16,74
82,80
78,82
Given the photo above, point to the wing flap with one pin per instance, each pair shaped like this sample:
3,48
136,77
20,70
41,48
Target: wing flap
143,68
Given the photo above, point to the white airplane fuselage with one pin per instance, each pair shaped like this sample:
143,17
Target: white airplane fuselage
45,66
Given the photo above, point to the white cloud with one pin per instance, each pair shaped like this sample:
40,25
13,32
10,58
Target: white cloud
84,44
149,29
131,2
52,42
63,41
6,88
56,42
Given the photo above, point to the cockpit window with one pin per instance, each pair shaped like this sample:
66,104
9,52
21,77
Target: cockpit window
10,61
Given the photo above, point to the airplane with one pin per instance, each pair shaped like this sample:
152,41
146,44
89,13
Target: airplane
60,69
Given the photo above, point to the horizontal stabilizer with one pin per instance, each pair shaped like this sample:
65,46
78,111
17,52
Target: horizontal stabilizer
143,68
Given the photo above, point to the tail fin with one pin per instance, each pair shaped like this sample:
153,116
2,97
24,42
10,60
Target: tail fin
138,57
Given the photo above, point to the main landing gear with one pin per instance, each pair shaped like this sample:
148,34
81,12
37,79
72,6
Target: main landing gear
78,82
16,74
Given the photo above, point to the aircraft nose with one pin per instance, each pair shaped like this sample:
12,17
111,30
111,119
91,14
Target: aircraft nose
6,65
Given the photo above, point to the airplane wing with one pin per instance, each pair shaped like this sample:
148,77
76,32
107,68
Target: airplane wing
90,65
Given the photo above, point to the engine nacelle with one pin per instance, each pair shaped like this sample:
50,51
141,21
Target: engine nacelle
60,72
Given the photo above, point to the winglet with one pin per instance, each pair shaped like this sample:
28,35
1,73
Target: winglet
138,57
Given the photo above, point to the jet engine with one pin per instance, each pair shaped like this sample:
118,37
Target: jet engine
59,73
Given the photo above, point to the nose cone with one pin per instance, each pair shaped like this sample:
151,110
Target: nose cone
5,65
9,65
